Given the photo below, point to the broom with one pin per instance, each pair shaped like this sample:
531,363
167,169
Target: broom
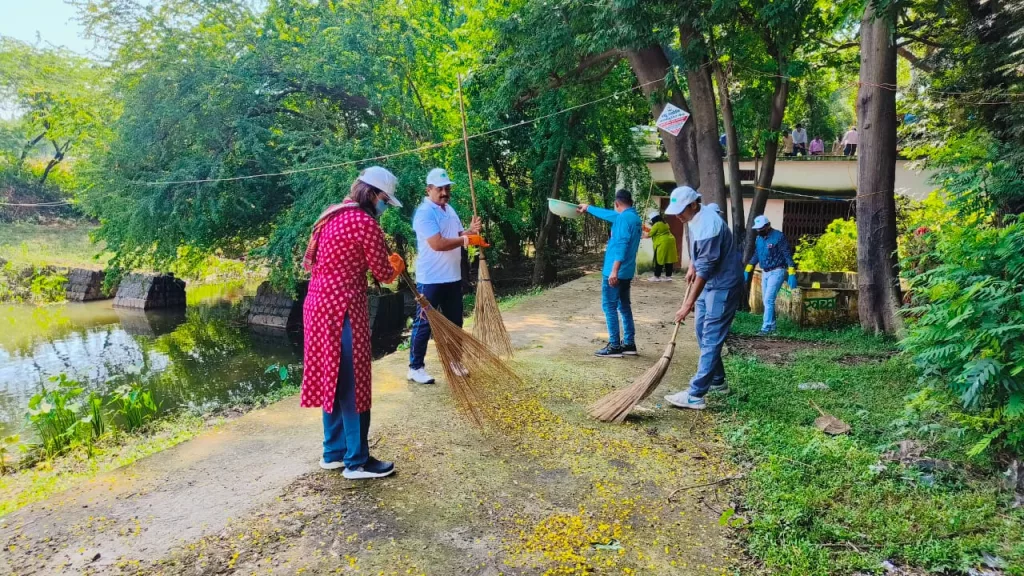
456,347
488,325
614,407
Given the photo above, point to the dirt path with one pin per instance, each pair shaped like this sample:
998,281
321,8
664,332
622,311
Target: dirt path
532,494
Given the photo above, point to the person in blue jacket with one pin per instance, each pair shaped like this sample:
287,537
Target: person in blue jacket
714,293
772,252
618,271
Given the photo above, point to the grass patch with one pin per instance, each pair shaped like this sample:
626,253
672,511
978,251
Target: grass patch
822,505
52,476
119,448
65,244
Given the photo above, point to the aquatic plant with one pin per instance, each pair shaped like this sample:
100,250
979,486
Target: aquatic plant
54,414
134,404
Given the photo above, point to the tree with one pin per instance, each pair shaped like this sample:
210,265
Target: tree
60,100
877,265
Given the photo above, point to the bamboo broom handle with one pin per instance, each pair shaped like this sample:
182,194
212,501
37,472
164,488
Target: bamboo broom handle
465,144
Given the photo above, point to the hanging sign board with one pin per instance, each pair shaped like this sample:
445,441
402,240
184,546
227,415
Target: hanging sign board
672,119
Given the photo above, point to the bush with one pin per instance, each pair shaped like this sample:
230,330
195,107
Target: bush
835,250
967,329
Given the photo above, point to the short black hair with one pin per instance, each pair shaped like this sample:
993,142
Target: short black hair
623,195
799,125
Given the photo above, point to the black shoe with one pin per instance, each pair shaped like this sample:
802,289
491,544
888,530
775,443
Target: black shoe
373,468
629,350
609,351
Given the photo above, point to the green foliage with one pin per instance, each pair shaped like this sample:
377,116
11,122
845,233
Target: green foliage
134,404
820,505
94,405
63,108
835,250
967,328
54,413
6,444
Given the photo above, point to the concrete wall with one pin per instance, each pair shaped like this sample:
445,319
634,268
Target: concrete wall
85,285
830,175
150,292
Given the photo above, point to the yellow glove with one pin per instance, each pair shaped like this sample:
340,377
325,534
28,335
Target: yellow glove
747,271
791,271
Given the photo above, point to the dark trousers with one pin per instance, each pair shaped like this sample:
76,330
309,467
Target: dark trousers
850,150
659,267
345,430
447,298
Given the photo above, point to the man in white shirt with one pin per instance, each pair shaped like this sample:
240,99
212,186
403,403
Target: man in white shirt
440,239
850,141
800,140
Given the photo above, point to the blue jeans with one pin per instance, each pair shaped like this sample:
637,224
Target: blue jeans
771,283
447,298
713,316
345,430
615,302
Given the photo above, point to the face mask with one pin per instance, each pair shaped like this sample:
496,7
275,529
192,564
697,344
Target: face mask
381,207
764,232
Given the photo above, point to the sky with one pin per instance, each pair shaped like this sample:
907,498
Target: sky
51,20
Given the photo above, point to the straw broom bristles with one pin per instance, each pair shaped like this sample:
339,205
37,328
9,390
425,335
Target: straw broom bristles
614,407
455,346
488,326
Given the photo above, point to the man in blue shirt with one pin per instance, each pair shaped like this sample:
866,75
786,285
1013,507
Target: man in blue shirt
618,271
440,239
776,259
714,292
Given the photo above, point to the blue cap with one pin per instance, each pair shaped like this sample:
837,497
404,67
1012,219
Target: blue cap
761,222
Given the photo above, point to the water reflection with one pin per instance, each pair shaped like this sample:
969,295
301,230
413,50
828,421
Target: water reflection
194,358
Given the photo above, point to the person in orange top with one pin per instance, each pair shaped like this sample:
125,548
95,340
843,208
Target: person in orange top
346,242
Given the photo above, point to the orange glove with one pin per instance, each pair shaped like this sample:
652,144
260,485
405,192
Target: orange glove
477,240
398,264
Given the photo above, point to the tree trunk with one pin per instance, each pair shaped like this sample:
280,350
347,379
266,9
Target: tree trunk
513,241
732,145
878,286
771,151
651,67
705,116
58,155
550,223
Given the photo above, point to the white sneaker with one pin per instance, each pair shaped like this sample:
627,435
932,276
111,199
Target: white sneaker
459,369
331,465
420,376
654,279
666,279
684,400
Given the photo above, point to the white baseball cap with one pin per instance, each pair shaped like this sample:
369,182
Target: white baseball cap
681,197
382,179
760,222
438,177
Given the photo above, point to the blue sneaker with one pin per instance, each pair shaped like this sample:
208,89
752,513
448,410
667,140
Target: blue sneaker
372,469
684,400
722,388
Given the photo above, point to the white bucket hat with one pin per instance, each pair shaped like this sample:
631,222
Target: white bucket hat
382,179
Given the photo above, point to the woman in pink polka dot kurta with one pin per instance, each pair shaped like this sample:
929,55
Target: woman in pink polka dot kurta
345,244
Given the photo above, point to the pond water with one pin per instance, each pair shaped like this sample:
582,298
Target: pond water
192,359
